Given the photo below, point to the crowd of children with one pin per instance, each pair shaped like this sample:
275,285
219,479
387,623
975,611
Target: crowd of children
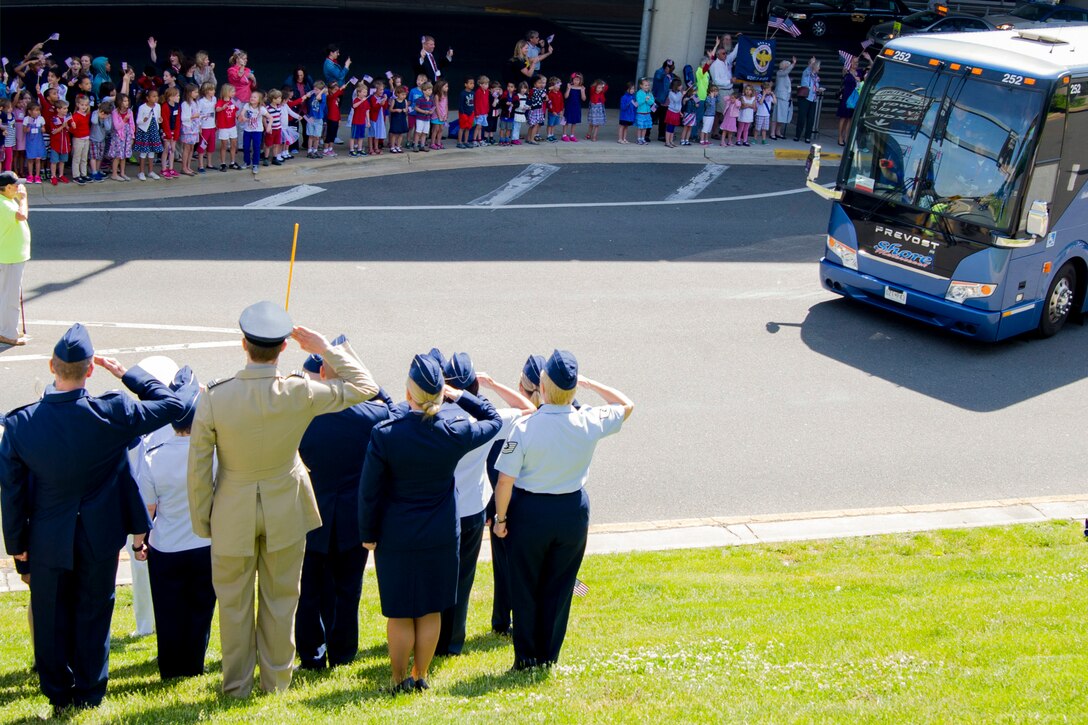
180,120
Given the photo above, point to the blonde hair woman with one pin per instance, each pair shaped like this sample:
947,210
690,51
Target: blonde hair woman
541,490
408,511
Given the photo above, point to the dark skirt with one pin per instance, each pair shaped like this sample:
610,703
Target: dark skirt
415,583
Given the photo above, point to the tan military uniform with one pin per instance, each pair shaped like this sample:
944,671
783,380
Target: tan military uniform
260,504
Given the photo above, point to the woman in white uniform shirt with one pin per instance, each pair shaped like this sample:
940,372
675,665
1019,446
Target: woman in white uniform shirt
542,507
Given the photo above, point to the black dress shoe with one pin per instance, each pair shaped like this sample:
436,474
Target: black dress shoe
422,685
407,685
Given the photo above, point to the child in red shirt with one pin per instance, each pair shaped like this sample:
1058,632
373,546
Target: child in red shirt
555,107
332,115
226,127
360,119
378,102
170,125
481,107
80,128
596,108
60,143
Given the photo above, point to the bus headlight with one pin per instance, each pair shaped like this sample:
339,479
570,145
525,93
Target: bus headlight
848,256
960,291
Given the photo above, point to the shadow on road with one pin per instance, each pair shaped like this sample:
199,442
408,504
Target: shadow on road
974,376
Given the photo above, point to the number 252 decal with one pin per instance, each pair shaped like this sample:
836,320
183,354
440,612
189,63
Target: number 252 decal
901,55
1012,79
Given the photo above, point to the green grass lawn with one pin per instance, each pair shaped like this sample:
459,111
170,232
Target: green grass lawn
975,625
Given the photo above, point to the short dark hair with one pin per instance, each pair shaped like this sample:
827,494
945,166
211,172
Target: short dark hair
259,353
72,371
331,48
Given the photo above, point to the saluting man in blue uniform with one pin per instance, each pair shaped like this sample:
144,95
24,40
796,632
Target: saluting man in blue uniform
542,475
71,524
333,448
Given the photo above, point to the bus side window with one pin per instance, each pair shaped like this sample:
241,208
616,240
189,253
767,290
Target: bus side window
1044,175
1074,163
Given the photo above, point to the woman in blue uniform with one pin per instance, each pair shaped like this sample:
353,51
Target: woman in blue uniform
542,507
408,512
179,562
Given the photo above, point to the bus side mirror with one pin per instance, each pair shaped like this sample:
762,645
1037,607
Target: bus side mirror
1038,222
812,164
812,172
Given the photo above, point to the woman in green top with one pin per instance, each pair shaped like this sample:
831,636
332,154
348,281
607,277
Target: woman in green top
14,254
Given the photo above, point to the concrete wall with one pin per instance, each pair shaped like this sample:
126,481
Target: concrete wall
677,31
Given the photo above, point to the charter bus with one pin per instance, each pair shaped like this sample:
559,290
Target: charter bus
960,200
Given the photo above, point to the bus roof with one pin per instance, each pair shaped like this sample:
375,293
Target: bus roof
1045,51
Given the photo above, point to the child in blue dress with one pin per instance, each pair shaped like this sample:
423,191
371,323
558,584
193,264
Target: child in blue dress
572,107
398,120
627,112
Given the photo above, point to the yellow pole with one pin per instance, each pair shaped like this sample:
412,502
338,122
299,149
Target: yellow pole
291,271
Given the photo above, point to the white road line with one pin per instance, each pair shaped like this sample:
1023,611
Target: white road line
132,350
285,197
698,183
518,186
138,326
422,207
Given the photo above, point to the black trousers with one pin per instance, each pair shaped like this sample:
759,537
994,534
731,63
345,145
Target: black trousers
451,638
500,606
545,546
806,118
327,620
73,609
659,116
184,601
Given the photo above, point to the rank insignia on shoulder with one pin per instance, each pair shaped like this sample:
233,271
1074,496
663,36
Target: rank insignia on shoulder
213,383
509,446
296,374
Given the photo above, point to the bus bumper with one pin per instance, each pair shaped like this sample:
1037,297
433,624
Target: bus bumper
966,321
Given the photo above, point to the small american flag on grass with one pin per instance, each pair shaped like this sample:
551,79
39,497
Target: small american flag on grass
580,588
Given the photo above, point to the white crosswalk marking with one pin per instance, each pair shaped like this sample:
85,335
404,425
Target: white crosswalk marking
285,197
698,183
518,186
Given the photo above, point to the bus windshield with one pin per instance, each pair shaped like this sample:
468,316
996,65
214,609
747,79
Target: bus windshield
967,162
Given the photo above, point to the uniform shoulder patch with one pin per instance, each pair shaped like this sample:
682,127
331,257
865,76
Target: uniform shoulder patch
219,381
296,374
509,446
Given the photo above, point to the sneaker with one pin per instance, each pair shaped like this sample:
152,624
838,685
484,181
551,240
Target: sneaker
266,161
201,170
223,168
153,175
566,137
330,154
277,162
234,165
516,142
763,141
98,176
424,148
460,145
574,139
64,179
80,180
54,181
338,140
255,169
139,176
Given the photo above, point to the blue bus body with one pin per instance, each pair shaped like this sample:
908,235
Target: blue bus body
960,145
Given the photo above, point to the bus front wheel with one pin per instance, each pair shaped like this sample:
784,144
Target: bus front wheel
1059,301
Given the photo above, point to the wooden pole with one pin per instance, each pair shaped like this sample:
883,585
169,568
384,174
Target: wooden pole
291,271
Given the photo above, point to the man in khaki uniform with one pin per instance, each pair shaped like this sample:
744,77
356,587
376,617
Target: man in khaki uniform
260,504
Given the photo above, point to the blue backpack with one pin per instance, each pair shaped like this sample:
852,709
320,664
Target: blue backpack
689,76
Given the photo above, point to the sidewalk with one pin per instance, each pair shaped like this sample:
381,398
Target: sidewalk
309,171
769,528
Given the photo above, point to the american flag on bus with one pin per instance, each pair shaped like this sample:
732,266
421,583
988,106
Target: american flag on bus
580,588
784,24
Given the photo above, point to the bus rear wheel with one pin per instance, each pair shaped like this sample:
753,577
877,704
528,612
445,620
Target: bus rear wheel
1059,301
819,28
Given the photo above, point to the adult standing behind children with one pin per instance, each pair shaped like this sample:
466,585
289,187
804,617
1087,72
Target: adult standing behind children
259,506
429,65
14,254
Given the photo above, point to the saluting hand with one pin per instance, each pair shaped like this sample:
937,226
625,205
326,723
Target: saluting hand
370,545
310,341
112,366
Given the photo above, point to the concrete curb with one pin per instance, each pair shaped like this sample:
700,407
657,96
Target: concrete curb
343,168
714,532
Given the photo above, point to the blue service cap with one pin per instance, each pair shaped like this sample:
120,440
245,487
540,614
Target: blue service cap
187,388
314,362
265,323
532,368
426,373
438,357
562,368
75,345
459,371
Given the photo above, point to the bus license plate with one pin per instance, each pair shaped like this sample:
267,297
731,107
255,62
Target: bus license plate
895,295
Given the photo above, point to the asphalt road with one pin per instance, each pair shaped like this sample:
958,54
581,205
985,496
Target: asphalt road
756,391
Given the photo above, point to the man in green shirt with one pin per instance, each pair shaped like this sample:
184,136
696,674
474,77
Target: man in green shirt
14,254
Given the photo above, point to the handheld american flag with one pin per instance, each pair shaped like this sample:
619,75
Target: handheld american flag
580,588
